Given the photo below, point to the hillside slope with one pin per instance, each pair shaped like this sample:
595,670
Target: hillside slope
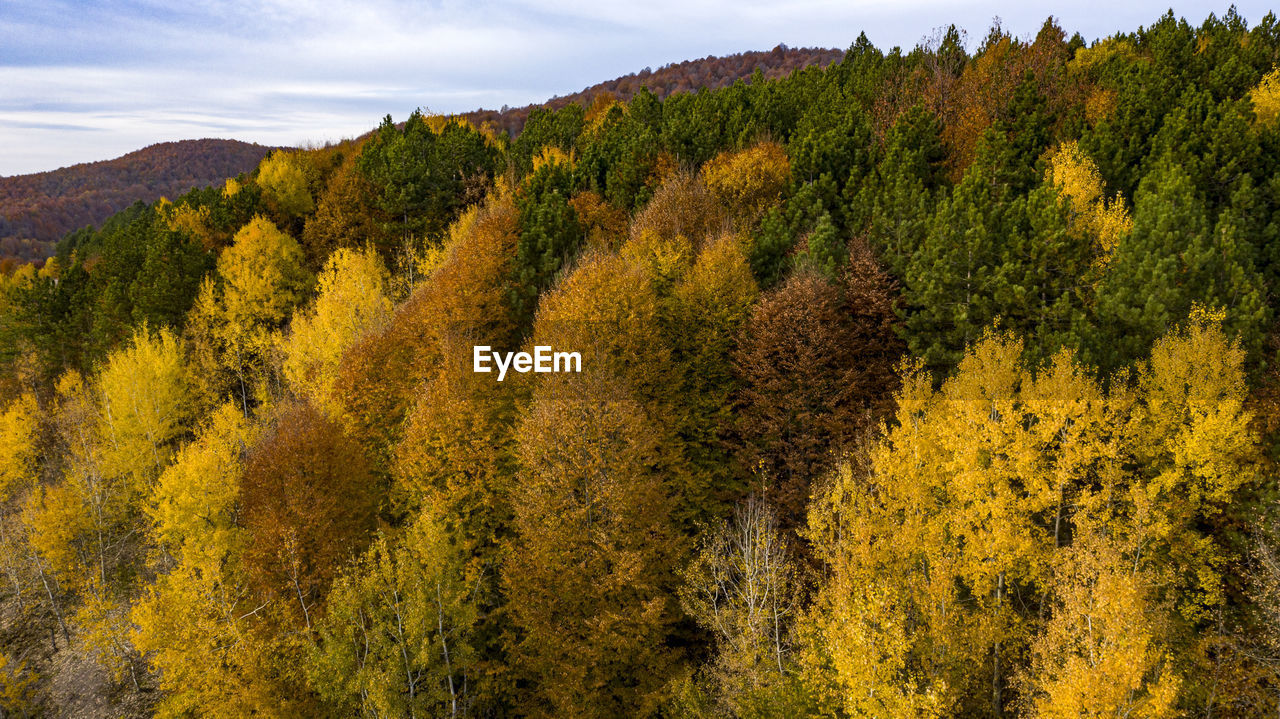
37,210
710,72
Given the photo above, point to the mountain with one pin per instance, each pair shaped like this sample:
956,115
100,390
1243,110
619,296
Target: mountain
710,72
37,210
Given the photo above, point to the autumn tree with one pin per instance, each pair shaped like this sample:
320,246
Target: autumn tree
395,640
812,364
284,176
352,300
307,503
205,632
261,278
590,575
1105,650
749,181
743,589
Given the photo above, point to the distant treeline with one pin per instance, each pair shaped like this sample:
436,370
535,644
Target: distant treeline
37,210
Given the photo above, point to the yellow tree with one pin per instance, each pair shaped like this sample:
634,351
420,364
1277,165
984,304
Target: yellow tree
1092,216
261,278
19,432
960,512
353,300
1188,436
748,181
1104,651
119,432
463,300
1266,99
395,640
143,405
206,636
19,427
284,177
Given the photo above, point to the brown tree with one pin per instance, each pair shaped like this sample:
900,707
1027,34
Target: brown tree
308,504
817,364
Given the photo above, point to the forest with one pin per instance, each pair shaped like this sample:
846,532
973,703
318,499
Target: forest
940,382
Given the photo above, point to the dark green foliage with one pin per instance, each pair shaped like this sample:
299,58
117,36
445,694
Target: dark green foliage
769,249
992,255
545,128
549,236
894,205
618,156
422,179
1176,255
825,251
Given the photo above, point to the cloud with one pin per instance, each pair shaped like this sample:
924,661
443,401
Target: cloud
92,80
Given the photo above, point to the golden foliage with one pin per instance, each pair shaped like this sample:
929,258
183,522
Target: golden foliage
553,156
143,397
1104,652
19,427
748,181
1266,99
1087,58
284,177
194,222
588,580
1100,104
1045,482
352,301
681,207
1091,216
264,275
605,225
193,505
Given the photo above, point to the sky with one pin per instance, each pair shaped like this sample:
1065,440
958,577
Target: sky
86,81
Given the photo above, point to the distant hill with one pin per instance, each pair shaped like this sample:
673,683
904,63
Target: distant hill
710,72
37,210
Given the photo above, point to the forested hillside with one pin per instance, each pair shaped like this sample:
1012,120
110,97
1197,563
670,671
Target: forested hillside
37,210
711,72
930,383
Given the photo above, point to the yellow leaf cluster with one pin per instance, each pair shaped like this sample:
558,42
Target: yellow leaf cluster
264,275
283,175
1100,104
1101,653
1266,99
193,503
193,221
1095,500
552,156
748,181
1079,185
353,300
143,403
1089,57
19,424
